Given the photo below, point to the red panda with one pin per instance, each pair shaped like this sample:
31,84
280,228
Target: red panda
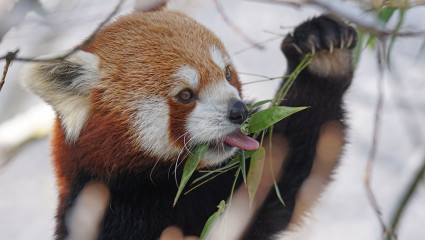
150,87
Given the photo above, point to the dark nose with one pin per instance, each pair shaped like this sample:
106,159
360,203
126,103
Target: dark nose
238,112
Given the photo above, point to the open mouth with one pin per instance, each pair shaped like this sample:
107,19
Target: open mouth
235,139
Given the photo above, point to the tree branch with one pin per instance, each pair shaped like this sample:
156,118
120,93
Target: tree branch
237,30
9,58
367,23
375,136
13,56
406,197
16,14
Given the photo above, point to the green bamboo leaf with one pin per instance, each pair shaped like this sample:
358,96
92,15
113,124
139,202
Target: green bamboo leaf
212,219
393,38
276,188
371,41
385,14
422,49
266,118
211,174
208,173
359,46
255,172
243,165
190,166
229,166
257,104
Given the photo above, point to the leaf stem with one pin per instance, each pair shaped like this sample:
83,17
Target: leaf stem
288,83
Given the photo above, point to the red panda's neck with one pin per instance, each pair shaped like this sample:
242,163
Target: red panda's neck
104,149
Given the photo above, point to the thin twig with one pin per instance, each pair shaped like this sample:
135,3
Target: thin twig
16,14
294,3
260,81
257,44
90,39
389,4
9,57
237,30
404,4
375,136
341,9
80,46
13,56
405,198
149,5
265,78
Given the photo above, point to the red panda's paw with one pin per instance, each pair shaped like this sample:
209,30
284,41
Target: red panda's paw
329,39
324,33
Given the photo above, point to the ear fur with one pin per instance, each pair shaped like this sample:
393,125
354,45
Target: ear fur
66,86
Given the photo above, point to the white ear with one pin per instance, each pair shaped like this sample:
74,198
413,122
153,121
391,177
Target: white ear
66,86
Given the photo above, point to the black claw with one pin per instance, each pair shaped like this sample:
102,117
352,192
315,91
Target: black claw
323,33
353,35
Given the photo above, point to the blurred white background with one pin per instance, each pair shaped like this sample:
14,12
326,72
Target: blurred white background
27,183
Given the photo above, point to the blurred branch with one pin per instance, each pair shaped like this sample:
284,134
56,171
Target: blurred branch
16,14
13,56
406,197
73,50
401,4
9,57
375,136
237,30
367,23
22,129
258,44
149,5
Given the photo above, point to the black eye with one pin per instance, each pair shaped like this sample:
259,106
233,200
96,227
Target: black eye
228,74
185,96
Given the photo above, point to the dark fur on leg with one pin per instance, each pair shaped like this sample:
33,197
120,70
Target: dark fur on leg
320,86
140,209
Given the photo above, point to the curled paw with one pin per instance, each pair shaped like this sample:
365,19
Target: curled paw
323,33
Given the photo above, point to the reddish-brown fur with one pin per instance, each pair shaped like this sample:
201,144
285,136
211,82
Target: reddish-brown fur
151,44
121,118
176,126
129,74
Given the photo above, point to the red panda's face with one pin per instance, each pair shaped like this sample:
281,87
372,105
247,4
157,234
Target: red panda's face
167,81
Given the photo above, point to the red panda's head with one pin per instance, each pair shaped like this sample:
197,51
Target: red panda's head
154,83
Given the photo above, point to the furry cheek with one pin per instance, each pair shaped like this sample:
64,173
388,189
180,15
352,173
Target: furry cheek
151,127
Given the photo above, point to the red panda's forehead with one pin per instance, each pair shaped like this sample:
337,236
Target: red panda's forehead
147,49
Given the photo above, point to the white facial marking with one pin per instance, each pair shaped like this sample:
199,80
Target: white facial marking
68,97
218,58
151,126
209,120
189,74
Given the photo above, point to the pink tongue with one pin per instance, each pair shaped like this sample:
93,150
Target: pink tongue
240,140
